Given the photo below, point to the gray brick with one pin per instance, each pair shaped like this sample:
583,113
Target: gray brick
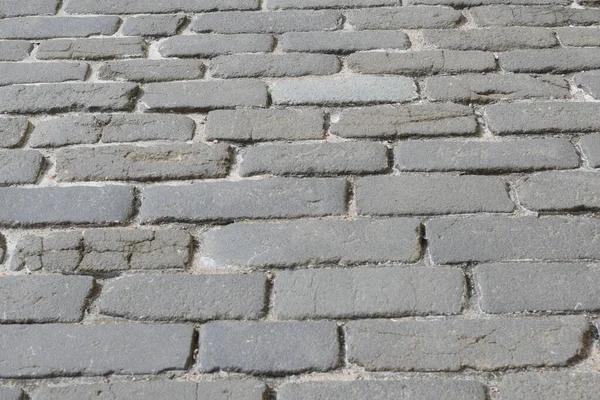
494,87
417,389
13,131
53,27
403,121
91,49
270,348
431,195
62,97
508,119
348,293
185,297
65,205
111,128
541,385
153,25
2,248
418,17
343,41
345,90
494,39
12,73
284,244
284,4
499,238
489,157
128,162
11,8
11,393
472,3
571,36
226,201
454,344
509,288
213,45
261,125
20,166
39,351
274,65
14,50
190,95
315,159
590,82
43,298
267,21
151,70
426,62
590,145
151,6
550,60
533,16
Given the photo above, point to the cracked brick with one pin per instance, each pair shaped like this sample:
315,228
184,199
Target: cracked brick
92,48
493,39
590,82
560,60
590,145
153,25
517,15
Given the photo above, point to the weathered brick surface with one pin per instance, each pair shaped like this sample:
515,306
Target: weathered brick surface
550,60
213,45
20,166
53,27
150,6
275,4
549,384
12,73
153,25
471,3
11,393
12,131
274,65
589,82
152,70
590,145
573,36
14,50
516,15
91,49
33,7
343,41
494,39
404,18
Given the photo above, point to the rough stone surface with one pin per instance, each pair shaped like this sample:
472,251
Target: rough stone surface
14,50
13,73
403,18
213,45
590,145
548,384
494,39
13,131
10,8
471,3
589,82
54,27
274,65
343,41
153,25
11,393
516,15
20,166
91,49
572,36
560,60
275,4
151,6
151,70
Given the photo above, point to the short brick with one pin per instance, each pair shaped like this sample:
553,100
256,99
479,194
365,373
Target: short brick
153,25
190,95
405,121
472,3
274,65
13,73
11,393
54,27
43,298
590,82
276,4
512,15
498,238
418,17
345,90
590,145
549,385
214,45
14,50
152,70
151,6
265,125
454,344
489,157
286,244
65,205
550,60
91,49
20,166
269,348
227,201
32,7
343,41
348,293
53,350
421,195
315,159
494,39
572,36
13,131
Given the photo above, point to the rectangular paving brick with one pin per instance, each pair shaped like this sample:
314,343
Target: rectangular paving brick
32,7
274,65
11,393
417,17
13,131
276,4
14,50
151,6
54,350
429,195
543,385
13,73
471,3
213,45
517,15
184,297
590,145
493,39
575,36
348,293
151,70
285,244
226,201
343,41
153,25
20,166
55,27
559,60
454,344
269,348
91,48
590,82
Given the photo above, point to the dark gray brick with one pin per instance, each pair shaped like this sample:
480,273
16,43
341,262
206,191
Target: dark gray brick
541,385
38,351
185,297
11,8
151,6
427,62
344,90
284,244
128,162
454,344
53,27
11,393
225,201
403,121
13,131
508,119
2,248
275,4
14,50
12,73
471,3
499,238
153,25
267,21
151,70
43,298
262,125
274,65
494,87
572,36
62,97
65,205
348,293
91,49
190,95
417,17
20,166
512,15
315,159
590,82
213,45
421,195
550,60
494,39
590,145
271,348
490,157
343,41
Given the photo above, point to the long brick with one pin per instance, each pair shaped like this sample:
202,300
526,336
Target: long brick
213,45
226,201
185,297
274,65
343,41
151,70
151,6
516,15
284,244
590,82
153,25
284,4
11,393
427,195
13,131
418,17
40,351
197,95
91,48
451,345
348,293
271,348
13,73
53,27
497,238
20,166
541,385
574,36
494,39
559,60
33,7
14,50
65,205
590,145
472,3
